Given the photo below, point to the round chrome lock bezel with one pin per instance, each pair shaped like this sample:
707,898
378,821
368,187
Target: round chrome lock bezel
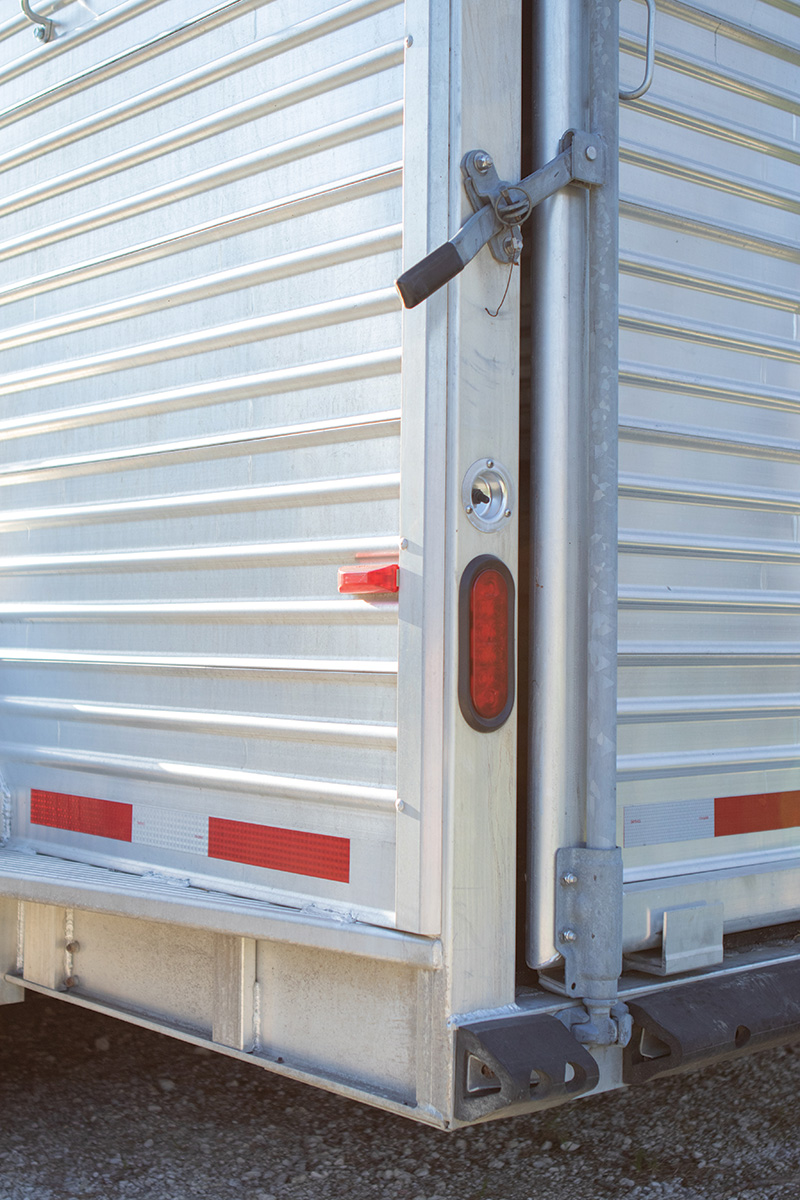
487,495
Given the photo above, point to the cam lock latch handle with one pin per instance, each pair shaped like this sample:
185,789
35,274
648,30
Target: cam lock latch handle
500,210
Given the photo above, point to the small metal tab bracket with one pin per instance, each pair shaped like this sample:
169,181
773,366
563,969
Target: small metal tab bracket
500,209
702,1021
518,1064
691,938
43,27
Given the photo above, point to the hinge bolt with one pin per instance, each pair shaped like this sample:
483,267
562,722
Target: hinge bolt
482,162
568,879
40,32
567,936
591,153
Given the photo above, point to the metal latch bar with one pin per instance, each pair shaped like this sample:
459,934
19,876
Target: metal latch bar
500,209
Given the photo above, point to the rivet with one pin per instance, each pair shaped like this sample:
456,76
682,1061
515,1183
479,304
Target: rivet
591,153
71,981
40,32
399,804
490,462
468,508
409,42
507,512
72,947
569,879
567,936
404,543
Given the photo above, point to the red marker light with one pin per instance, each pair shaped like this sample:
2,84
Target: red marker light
378,581
488,644
486,666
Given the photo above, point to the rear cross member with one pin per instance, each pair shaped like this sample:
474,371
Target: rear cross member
500,209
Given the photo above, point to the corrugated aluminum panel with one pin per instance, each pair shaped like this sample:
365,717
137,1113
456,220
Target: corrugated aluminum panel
709,767
199,230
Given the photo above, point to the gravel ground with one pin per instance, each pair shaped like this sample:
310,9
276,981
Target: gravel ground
96,1108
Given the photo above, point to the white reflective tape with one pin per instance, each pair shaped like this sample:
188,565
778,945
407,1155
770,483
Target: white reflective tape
675,821
170,829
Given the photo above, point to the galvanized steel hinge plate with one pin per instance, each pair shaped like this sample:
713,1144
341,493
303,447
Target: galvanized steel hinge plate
589,918
589,936
501,208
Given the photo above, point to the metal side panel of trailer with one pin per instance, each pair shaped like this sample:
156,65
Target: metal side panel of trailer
247,809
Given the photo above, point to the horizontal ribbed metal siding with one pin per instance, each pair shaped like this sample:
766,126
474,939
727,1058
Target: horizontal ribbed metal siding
199,230
710,422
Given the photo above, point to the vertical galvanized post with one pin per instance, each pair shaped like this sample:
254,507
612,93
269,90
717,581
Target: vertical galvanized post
603,406
558,454
574,583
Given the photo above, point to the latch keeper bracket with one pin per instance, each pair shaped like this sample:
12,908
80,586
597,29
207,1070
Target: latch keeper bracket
501,208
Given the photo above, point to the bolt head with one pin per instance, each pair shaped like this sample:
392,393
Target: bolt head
468,508
507,513
404,543
40,32
569,879
399,804
567,936
409,42
591,153
482,162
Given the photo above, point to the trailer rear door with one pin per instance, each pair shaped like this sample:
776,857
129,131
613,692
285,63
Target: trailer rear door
200,227
709,444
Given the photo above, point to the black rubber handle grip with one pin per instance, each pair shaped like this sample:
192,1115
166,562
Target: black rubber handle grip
433,272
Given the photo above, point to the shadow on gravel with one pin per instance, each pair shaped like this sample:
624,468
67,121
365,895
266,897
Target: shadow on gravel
92,1107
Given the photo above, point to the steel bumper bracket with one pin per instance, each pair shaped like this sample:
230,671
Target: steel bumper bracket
517,1064
697,1023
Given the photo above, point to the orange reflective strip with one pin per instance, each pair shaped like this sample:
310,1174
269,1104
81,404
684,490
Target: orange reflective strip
756,814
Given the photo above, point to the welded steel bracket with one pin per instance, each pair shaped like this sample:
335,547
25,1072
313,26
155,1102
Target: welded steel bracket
518,1063
43,27
501,208
697,1023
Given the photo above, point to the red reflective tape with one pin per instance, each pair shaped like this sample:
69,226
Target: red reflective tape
82,814
756,814
299,853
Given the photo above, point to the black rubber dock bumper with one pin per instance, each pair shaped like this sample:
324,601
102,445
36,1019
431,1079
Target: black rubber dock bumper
693,1024
518,1065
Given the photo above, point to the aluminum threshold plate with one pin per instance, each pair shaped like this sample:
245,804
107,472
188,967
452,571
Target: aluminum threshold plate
40,879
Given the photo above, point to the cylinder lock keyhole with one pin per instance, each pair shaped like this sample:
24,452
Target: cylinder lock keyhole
486,495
